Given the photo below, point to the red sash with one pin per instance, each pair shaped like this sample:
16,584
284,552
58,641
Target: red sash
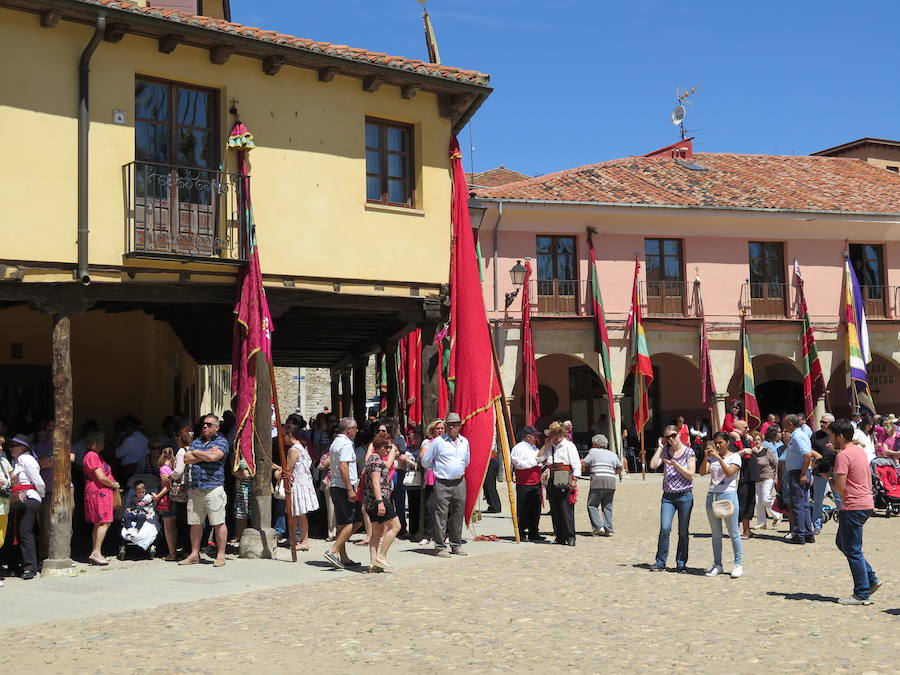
530,476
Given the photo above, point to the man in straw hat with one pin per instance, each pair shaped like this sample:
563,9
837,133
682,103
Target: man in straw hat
448,457
563,467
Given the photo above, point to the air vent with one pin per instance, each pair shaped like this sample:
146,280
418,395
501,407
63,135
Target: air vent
693,166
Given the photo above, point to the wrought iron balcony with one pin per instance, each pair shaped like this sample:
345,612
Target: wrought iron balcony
177,212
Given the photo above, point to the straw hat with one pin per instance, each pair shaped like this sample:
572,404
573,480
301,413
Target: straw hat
554,427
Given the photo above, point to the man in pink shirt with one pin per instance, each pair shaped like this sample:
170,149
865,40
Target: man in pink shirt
852,480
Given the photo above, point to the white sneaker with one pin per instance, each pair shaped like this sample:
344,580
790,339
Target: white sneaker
2,584
737,571
714,572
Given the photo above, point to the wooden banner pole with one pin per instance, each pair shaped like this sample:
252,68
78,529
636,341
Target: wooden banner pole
282,459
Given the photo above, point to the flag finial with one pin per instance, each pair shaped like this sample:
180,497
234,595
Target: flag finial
434,56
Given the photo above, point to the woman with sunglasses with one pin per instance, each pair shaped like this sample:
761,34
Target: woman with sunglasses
678,483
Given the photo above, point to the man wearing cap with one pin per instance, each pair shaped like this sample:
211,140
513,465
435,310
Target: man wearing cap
448,457
526,460
563,467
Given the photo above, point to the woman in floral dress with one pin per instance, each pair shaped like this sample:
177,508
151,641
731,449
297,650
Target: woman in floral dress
303,494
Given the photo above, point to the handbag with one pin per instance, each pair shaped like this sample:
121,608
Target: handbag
722,508
279,490
561,478
117,499
413,478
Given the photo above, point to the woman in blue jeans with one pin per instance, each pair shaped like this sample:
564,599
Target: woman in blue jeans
678,482
723,465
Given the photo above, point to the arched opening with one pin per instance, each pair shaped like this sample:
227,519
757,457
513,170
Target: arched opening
569,389
884,383
675,391
779,385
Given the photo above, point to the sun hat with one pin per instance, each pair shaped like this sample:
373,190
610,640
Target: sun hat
453,418
554,426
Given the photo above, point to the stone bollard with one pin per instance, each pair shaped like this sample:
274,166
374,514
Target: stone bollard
258,543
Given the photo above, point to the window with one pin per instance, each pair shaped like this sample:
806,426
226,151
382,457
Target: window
389,163
175,124
868,263
557,278
767,288
665,277
177,184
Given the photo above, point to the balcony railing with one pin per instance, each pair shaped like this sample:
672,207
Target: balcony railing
876,301
668,299
768,300
185,213
559,297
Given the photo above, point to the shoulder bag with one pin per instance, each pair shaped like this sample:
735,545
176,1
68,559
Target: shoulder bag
560,477
722,508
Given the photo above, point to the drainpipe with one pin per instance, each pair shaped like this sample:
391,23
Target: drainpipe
84,125
497,255
496,238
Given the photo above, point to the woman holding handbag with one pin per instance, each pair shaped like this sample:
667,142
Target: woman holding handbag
99,494
303,494
723,466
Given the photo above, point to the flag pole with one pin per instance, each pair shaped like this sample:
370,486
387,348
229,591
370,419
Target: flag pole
504,424
286,476
643,454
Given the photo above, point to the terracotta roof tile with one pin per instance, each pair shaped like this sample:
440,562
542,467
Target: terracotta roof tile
493,177
341,51
786,183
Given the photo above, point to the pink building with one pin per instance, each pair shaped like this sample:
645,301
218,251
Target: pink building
735,222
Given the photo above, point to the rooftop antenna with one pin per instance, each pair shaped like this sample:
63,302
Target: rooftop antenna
679,112
434,56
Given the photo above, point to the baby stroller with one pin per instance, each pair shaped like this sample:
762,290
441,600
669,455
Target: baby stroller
144,537
886,486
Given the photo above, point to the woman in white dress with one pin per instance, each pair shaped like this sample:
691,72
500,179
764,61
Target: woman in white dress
303,494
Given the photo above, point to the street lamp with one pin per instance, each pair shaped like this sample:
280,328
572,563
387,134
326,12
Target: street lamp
476,213
517,274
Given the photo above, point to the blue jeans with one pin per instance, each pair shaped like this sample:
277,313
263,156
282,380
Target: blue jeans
799,496
682,502
278,517
849,541
819,488
715,525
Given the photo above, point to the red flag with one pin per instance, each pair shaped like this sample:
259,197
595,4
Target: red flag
413,353
529,366
707,384
443,344
472,367
641,367
252,338
813,380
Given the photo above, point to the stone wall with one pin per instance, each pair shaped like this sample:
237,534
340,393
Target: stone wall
308,390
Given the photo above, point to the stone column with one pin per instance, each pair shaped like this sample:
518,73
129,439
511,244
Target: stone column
720,411
615,428
346,393
431,374
819,410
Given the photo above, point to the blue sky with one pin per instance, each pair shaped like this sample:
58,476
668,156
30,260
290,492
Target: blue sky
582,81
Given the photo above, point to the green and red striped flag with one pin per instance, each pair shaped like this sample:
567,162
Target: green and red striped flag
748,387
601,335
641,367
813,379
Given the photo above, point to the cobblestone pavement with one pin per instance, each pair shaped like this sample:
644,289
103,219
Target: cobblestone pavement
520,608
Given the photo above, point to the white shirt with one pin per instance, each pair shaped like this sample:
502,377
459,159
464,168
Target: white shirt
448,459
863,440
564,453
701,433
27,470
342,450
524,455
718,483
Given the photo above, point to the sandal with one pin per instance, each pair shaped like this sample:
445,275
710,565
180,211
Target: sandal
361,542
100,562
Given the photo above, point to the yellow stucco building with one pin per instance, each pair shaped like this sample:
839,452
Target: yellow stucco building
122,213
